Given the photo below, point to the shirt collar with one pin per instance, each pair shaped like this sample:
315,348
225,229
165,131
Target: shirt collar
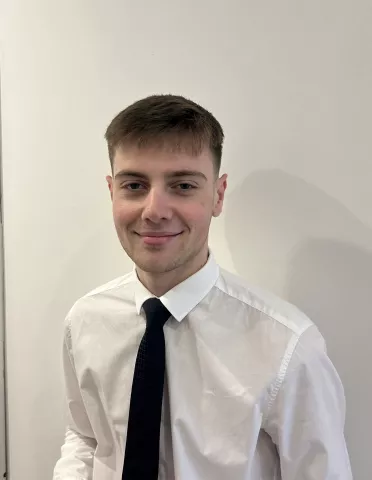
185,296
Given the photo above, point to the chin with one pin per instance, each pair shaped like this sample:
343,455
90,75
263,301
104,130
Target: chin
156,264
155,267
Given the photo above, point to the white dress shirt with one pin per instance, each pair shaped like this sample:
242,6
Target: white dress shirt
250,393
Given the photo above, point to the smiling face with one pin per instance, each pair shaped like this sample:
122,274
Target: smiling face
163,203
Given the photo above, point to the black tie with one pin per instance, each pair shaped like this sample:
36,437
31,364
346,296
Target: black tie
141,461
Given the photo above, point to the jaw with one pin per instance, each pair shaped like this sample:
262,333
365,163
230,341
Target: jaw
161,267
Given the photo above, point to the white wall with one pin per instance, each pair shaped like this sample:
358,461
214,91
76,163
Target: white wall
2,358
291,83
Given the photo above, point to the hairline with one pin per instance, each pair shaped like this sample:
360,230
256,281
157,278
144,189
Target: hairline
164,148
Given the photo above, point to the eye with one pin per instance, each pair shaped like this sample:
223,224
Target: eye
185,186
133,186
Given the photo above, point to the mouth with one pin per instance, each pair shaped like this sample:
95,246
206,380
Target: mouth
157,238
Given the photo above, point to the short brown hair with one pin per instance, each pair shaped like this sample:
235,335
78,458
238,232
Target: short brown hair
166,121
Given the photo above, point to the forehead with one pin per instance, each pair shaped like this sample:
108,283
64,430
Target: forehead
155,161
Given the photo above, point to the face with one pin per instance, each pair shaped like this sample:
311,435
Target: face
163,203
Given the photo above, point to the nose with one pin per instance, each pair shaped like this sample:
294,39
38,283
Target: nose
156,206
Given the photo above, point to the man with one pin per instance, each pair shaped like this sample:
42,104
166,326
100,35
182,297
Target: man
237,384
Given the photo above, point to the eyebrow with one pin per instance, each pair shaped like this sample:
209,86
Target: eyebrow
176,174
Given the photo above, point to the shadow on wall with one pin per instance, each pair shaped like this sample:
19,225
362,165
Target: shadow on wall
308,248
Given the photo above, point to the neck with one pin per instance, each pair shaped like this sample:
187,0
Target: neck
160,283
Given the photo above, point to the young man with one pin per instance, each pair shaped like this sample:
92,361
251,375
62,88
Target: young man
237,384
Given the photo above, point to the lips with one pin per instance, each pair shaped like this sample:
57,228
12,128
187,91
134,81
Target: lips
157,238
148,234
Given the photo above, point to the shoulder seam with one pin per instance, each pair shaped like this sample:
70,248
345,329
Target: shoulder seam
275,318
235,297
282,373
68,335
98,290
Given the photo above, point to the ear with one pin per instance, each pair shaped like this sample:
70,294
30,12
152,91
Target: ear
110,185
221,185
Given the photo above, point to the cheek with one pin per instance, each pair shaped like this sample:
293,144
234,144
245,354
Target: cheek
123,213
199,215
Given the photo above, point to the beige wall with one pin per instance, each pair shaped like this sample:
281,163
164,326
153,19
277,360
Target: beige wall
291,83
2,366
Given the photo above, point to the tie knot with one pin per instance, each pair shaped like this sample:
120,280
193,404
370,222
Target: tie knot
156,313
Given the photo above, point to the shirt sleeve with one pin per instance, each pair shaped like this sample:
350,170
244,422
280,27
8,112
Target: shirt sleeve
306,418
77,453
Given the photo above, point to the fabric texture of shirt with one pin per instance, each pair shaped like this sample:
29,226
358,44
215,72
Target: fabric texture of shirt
250,393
